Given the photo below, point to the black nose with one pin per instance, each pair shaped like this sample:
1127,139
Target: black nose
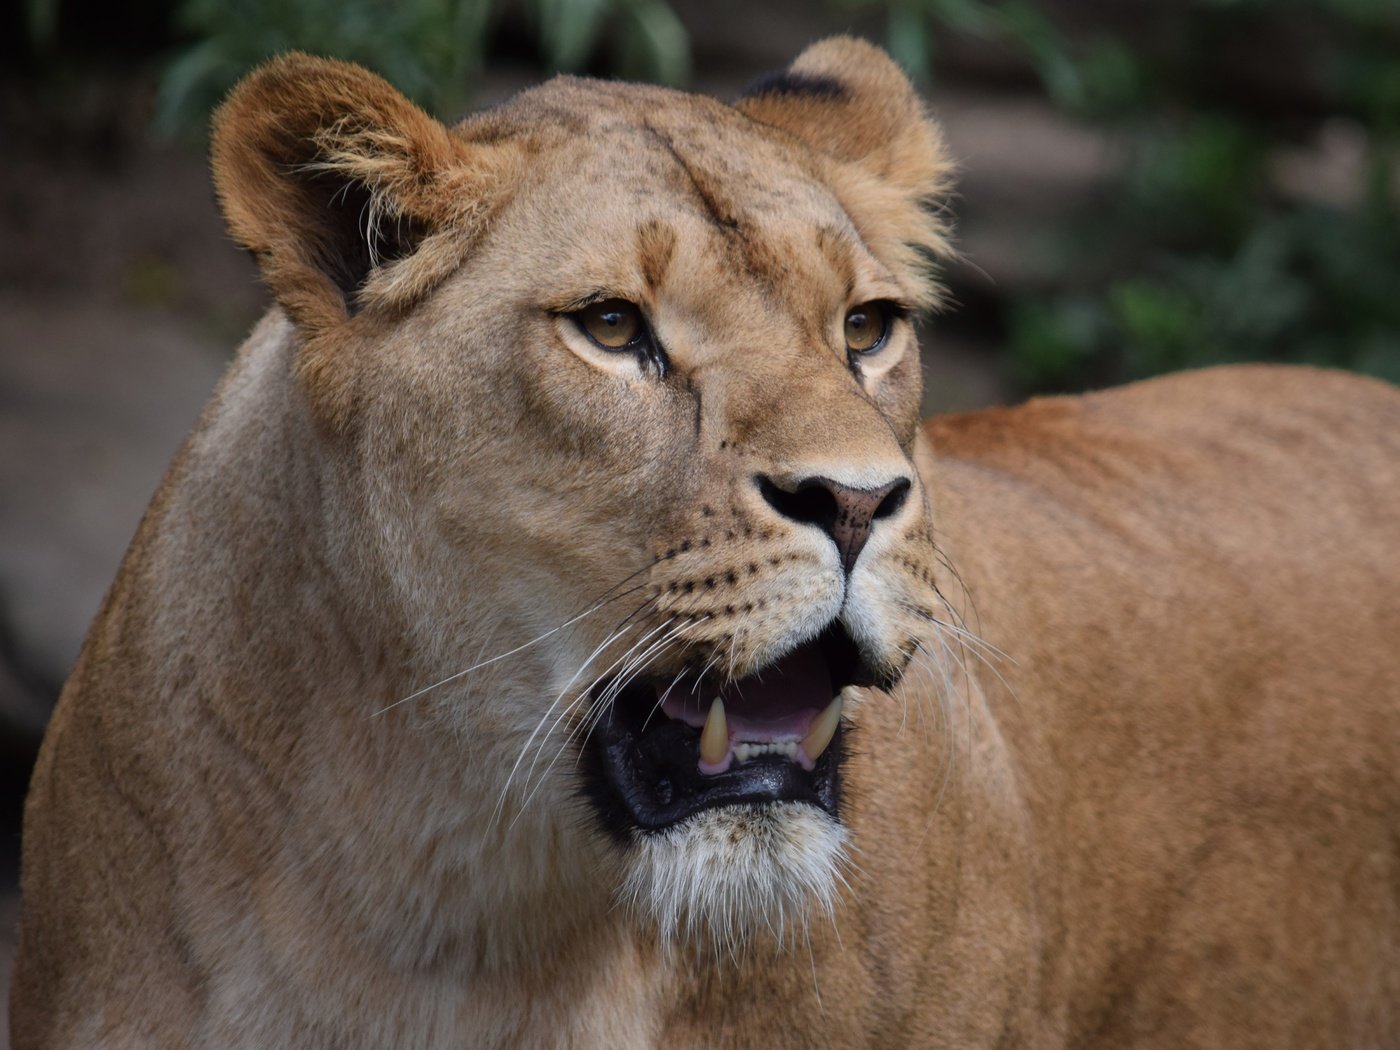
844,513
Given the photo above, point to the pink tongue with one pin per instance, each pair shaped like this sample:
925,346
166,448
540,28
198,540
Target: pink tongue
777,703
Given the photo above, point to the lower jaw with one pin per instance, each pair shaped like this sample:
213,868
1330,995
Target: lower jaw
635,783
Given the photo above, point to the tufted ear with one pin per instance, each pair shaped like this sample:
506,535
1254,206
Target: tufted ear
847,99
350,196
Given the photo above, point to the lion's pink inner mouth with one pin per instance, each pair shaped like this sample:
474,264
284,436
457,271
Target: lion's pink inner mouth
770,712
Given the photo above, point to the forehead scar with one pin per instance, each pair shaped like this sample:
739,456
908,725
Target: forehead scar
761,260
718,210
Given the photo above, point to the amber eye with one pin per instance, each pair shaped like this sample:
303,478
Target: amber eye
614,324
867,325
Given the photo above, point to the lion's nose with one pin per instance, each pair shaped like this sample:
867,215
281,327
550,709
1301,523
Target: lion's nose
844,513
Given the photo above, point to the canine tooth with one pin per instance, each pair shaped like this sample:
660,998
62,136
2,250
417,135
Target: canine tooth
714,738
823,728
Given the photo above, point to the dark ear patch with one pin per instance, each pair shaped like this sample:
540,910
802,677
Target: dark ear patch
349,242
801,85
337,218
843,97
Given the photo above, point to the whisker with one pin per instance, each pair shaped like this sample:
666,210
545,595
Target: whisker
606,598
569,707
636,664
661,699
612,637
978,644
625,677
604,703
630,661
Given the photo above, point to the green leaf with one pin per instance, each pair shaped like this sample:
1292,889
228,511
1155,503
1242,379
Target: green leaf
655,43
977,17
569,29
186,83
1038,37
909,43
1053,341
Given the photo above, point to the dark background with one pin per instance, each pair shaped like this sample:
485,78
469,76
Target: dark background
1145,186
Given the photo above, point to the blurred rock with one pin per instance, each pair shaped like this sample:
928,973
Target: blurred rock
94,401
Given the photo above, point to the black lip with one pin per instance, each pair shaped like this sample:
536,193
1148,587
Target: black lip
641,770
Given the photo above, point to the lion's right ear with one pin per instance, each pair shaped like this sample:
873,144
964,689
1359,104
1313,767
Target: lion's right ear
350,196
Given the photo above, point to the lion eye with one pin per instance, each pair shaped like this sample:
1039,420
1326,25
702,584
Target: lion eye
614,324
867,325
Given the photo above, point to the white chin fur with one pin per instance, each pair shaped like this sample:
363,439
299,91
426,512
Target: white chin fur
725,877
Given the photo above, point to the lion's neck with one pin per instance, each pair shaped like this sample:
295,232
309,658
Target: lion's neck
381,818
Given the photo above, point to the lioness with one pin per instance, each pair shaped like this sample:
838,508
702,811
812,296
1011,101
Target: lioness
560,631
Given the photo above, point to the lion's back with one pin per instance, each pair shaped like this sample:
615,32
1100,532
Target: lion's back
1196,583
1243,466
1188,522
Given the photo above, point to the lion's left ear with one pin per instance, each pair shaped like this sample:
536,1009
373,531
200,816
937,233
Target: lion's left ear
847,99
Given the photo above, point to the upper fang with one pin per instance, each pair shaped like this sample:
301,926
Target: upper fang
714,740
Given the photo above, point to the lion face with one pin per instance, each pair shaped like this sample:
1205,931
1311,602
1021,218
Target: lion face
632,380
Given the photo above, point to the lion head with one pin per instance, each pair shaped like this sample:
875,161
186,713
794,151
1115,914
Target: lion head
625,383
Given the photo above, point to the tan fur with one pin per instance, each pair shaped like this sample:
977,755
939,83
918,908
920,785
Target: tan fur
1138,784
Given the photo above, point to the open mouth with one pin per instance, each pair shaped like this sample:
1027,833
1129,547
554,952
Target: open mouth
669,748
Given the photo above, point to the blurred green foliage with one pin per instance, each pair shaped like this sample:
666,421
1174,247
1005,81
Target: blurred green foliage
1198,264
430,49
1198,254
